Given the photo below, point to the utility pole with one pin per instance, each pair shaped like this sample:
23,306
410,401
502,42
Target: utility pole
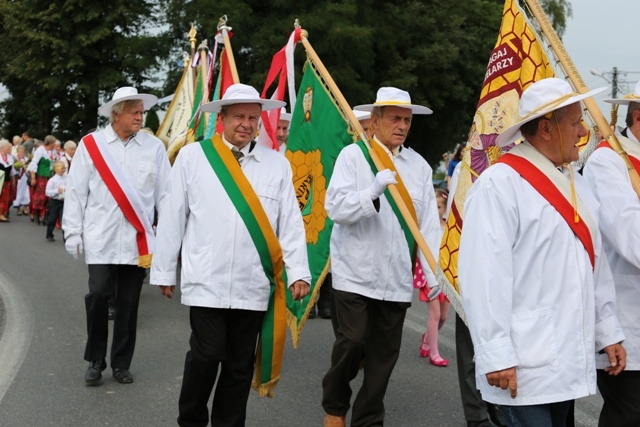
614,82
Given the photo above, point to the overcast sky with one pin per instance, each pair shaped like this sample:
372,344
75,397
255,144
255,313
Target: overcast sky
602,35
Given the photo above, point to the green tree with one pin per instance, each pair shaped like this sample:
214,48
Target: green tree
437,50
63,58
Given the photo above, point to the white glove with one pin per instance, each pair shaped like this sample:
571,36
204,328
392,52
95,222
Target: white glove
73,245
382,179
434,291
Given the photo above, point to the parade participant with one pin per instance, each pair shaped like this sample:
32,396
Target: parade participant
8,179
69,150
326,304
55,192
371,262
226,272
283,130
453,162
364,117
21,201
113,188
40,170
608,177
16,143
535,284
28,143
439,306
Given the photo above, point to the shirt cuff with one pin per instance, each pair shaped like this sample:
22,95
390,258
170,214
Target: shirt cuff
367,204
163,279
298,273
608,332
495,356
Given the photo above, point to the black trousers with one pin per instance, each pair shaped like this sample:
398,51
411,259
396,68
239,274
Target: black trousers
475,409
621,396
55,210
105,281
373,328
226,338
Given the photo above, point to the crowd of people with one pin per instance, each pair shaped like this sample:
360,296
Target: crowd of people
543,255
33,174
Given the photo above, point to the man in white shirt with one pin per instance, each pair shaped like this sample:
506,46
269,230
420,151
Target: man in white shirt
372,258
225,276
535,284
283,130
608,177
94,219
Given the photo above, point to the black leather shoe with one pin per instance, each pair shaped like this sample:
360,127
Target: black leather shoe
93,376
122,375
324,312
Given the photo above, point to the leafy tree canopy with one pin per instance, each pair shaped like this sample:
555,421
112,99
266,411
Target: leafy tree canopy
63,58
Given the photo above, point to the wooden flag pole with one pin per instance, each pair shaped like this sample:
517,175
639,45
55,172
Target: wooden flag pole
204,73
192,42
581,87
355,124
224,29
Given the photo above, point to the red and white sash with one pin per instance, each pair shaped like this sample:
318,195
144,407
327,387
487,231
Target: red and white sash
124,193
631,147
543,176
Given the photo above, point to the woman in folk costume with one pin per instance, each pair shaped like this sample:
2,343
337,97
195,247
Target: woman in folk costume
7,172
21,201
41,170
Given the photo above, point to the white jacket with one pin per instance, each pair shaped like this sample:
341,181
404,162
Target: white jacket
91,211
369,252
620,226
529,292
220,264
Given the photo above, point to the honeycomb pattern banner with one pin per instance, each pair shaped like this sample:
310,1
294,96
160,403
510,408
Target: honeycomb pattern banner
517,60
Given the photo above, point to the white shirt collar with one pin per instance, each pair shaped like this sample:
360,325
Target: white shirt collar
112,136
244,150
392,153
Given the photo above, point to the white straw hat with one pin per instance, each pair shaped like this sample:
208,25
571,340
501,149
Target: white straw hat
124,94
361,115
628,98
284,115
394,97
241,94
542,97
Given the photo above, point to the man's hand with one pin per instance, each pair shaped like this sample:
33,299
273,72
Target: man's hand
73,245
380,182
167,291
504,379
299,289
617,359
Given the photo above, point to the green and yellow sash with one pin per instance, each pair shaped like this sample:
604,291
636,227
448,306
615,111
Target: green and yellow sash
247,203
388,164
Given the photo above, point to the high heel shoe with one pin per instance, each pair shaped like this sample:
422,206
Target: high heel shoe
439,361
424,347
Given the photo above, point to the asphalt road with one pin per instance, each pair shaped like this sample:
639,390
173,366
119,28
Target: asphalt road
42,321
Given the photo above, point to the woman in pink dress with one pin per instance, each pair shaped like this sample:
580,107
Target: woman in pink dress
438,306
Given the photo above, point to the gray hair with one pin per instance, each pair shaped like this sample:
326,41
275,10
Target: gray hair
530,129
49,139
70,144
4,143
121,106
